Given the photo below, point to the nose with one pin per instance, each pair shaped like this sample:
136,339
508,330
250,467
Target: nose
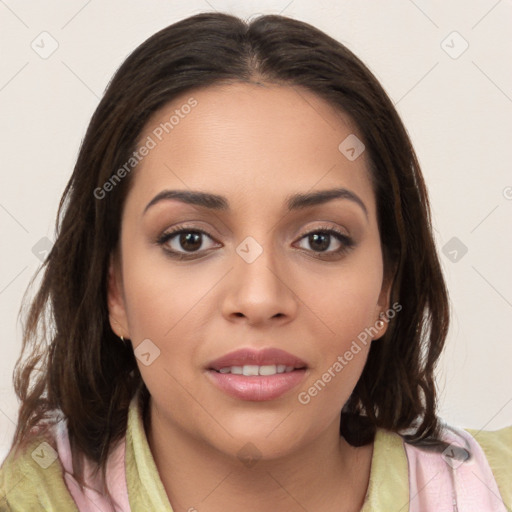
259,288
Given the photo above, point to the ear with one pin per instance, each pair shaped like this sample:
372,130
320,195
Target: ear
383,305
115,299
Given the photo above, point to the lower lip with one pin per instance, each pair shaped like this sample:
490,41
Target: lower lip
257,388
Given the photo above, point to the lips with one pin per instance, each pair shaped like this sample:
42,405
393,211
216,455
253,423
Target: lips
257,375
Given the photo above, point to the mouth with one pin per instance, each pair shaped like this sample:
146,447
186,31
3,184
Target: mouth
253,370
248,374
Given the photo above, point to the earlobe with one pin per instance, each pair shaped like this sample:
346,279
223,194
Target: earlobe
380,326
115,300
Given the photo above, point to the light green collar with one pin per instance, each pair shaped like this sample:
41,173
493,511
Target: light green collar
389,476
146,492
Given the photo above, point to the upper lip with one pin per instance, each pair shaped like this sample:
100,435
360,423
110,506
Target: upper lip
248,356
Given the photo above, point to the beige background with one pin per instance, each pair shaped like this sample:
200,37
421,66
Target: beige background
456,106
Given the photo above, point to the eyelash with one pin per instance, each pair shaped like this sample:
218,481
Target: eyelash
346,242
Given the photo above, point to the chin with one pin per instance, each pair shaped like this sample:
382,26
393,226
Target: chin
262,440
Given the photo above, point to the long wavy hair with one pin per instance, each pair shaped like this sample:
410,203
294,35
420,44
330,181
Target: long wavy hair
74,365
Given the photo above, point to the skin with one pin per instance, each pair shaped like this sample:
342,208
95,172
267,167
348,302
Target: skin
255,144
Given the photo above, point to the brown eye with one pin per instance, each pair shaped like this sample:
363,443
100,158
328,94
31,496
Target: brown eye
320,240
182,241
190,241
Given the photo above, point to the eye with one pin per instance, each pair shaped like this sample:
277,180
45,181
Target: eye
321,239
183,241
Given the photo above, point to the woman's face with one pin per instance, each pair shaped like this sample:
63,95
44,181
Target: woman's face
255,269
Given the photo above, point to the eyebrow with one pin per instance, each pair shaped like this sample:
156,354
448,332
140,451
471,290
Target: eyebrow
293,202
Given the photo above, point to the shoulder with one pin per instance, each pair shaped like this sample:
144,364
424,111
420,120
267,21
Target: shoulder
473,469
40,477
32,479
497,444
497,447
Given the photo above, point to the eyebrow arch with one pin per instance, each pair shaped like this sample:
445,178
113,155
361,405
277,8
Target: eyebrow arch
292,202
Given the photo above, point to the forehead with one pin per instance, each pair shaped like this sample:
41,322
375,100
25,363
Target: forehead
249,142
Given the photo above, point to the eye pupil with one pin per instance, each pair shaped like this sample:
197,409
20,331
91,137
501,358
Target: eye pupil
190,238
315,237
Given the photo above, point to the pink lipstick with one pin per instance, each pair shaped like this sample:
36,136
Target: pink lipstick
257,375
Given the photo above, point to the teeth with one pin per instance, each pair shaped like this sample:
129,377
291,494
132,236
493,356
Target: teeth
249,369
252,369
268,370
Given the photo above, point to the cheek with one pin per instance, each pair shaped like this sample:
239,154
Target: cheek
341,351
161,295
166,303
353,310
345,311
161,304
345,303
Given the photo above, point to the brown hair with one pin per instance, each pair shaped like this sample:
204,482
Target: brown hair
87,374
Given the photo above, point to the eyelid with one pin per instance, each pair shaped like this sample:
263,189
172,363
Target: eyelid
326,227
184,226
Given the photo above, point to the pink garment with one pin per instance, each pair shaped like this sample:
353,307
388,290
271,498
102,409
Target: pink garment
453,481
437,482
91,500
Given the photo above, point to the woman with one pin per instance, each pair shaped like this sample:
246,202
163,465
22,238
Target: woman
246,299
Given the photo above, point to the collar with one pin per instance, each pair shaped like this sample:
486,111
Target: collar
388,486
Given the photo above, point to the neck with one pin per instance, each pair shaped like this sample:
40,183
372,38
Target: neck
327,474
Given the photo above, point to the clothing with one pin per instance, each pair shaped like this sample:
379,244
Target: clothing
403,477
